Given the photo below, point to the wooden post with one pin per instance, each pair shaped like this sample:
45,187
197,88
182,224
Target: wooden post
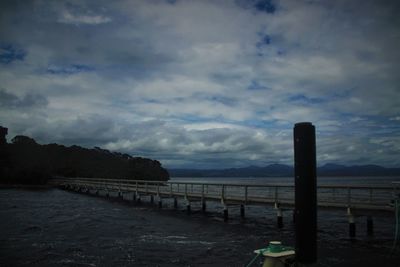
159,202
242,211
352,226
203,205
370,226
245,194
175,202
226,217
279,218
305,170
203,200
188,208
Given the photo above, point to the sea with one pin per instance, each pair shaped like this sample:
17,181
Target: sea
337,180
53,227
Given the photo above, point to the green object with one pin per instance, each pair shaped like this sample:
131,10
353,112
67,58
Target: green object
261,251
273,247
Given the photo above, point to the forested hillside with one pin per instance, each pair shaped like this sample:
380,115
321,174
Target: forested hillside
25,161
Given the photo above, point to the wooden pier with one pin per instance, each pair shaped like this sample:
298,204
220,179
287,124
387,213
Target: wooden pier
350,198
360,197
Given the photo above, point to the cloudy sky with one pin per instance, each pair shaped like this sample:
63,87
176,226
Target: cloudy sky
202,83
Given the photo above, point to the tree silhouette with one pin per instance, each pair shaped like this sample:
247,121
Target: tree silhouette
27,162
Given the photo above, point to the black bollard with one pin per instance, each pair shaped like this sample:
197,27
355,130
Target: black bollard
242,211
370,226
175,203
188,209
279,218
160,203
226,216
203,206
151,199
305,192
352,227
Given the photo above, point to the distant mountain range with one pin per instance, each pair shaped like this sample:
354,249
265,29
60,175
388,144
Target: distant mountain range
280,170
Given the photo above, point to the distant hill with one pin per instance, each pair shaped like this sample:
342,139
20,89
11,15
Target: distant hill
280,170
357,170
27,162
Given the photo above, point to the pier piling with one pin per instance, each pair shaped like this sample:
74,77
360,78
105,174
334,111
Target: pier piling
305,171
281,196
370,226
188,208
159,203
352,226
279,218
203,206
226,216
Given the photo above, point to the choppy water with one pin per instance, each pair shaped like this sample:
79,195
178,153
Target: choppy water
58,228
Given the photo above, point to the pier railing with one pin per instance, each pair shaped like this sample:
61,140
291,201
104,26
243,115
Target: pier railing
329,196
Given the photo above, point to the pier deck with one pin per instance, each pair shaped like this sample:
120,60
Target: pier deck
360,197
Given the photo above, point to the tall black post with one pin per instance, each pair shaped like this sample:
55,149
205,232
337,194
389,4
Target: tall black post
305,171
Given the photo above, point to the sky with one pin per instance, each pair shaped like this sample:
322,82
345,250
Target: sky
205,84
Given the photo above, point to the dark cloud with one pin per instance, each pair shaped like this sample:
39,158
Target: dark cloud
267,6
10,53
70,69
9,100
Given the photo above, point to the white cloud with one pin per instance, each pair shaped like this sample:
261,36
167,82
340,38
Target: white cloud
77,19
188,78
